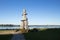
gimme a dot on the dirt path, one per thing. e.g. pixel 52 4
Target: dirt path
pixel 18 37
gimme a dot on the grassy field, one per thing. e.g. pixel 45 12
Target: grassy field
pixel 5 37
pixel 48 34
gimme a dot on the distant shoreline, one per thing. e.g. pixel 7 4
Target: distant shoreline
pixel 29 25
pixel 8 25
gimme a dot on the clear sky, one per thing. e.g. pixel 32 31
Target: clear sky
pixel 40 12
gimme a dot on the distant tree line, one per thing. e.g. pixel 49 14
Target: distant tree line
pixel 6 25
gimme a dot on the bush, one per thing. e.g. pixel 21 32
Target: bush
pixel 33 30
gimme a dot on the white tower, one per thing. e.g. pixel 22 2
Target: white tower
pixel 24 21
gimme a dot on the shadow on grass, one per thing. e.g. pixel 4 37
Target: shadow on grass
pixel 49 34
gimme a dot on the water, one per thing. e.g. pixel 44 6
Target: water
pixel 9 27
pixel 45 26
pixel 30 26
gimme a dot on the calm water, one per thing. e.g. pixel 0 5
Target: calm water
pixel 31 26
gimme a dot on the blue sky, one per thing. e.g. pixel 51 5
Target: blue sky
pixel 40 12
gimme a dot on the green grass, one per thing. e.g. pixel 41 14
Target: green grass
pixel 49 34
pixel 5 37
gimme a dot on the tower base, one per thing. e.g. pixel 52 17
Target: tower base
pixel 24 30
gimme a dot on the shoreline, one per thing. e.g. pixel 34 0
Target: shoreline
pixel 7 32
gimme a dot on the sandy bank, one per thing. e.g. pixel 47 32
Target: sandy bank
pixel 3 32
